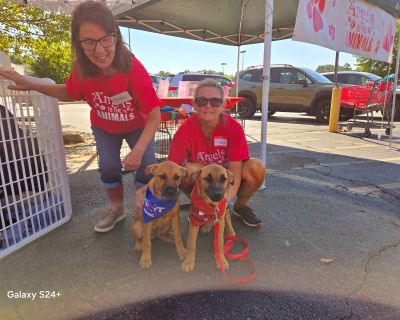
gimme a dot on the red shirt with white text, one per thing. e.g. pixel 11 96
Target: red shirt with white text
pixel 123 117
pixel 227 143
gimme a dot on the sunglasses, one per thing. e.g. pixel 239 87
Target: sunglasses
pixel 202 102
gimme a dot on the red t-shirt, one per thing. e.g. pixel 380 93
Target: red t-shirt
pixel 130 112
pixel 227 144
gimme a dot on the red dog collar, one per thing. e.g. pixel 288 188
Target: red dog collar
pixel 202 212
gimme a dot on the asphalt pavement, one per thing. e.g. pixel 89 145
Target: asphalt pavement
pixel 329 247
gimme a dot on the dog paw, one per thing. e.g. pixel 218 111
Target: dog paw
pixel 230 232
pixel 139 246
pixel 225 263
pixel 145 262
pixel 205 228
pixel 188 265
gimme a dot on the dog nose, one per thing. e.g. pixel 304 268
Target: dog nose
pixel 169 192
pixel 216 195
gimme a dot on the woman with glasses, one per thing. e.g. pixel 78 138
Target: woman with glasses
pixel 119 91
pixel 213 136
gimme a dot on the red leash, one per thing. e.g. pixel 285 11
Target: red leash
pixel 233 256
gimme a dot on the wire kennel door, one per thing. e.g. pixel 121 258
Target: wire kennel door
pixel 34 188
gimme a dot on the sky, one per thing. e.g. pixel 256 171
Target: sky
pixel 166 53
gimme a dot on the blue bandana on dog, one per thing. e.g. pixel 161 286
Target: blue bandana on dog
pixel 155 208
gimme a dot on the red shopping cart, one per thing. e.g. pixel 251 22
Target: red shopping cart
pixel 365 100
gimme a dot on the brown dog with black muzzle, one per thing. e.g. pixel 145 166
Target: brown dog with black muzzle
pixel 208 205
pixel 160 211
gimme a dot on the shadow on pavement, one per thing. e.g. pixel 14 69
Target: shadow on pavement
pixel 245 304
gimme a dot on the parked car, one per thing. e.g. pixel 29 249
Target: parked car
pixel 352 77
pixel 195 76
pixel 156 81
pixel 359 78
pixel 292 89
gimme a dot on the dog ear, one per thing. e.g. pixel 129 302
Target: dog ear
pixel 184 171
pixel 195 175
pixel 151 169
pixel 231 176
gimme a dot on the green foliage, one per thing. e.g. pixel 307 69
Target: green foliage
pixel 331 68
pixel 36 38
pixel 164 74
pixel 377 67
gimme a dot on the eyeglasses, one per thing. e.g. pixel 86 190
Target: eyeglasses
pixel 90 44
pixel 202 102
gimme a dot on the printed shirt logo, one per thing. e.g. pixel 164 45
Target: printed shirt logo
pixel 217 157
pixel 155 208
pixel 106 110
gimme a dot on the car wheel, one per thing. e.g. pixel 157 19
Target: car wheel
pixel 246 108
pixel 271 113
pixel 322 110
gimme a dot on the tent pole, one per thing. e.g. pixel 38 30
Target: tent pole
pixel 237 72
pixel 269 9
pixel 336 68
pixel 394 91
pixel 238 52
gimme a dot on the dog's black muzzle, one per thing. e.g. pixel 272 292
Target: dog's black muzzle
pixel 215 193
pixel 170 192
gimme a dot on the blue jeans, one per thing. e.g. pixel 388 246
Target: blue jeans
pixel 108 149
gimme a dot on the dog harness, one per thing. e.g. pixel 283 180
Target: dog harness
pixel 154 207
pixel 202 212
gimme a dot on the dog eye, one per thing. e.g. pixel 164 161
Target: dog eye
pixel 176 177
pixel 209 178
pixel 163 176
pixel 222 179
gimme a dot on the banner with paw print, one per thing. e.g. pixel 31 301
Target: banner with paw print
pixel 352 26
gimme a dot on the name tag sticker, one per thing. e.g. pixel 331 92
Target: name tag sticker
pixel 121 98
pixel 220 142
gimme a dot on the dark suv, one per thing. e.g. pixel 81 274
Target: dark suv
pixel 351 77
pixel 292 89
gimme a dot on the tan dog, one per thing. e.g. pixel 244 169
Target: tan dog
pixel 208 203
pixel 160 211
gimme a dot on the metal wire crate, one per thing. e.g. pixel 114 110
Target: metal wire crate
pixel 34 189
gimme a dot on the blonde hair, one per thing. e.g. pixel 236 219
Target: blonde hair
pixel 210 83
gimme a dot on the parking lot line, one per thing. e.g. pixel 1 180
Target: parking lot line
pixel 352 147
pixel 368 189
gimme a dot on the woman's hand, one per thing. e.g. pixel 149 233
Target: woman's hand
pixel 21 83
pixel 133 160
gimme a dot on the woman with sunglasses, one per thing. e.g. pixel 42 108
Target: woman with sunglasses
pixel 119 91
pixel 213 136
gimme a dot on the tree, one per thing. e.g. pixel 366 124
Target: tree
pixel 378 67
pixel 331 68
pixel 36 38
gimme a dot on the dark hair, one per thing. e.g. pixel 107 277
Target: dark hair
pixel 99 14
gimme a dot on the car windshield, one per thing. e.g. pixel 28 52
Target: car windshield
pixel 372 76
pixel 317 76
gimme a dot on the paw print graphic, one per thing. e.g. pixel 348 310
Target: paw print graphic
pixel 332 31
pixel 314 11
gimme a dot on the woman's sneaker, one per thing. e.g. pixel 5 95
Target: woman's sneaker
pixel 108 221
pixel 247 215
